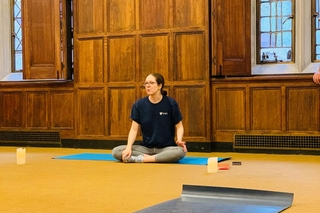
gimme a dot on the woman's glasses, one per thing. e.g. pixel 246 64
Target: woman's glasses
pixel 150 83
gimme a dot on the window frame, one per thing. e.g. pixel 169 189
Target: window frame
pixel 302 45
pixel 258 35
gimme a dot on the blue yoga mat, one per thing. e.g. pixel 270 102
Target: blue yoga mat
pixel 108 157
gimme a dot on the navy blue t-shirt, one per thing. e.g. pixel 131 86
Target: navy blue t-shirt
pixel 157 121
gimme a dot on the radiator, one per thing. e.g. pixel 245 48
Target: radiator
pixel 30 137
pixel 271 141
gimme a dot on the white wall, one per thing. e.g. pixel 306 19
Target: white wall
pixel 5 38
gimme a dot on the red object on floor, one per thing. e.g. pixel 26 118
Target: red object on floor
pixel 223 166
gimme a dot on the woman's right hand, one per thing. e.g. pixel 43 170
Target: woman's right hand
pixel 126 154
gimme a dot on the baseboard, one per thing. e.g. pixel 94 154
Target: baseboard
pixel 279 151
pixel 28 144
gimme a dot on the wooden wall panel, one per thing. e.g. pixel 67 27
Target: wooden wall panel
pixel 38 19
pixel 155 55
pixel 91 112
pixel 192 104
pixel 230 109
pixel 121 15
pixel 37 110
pixel 264 105
pixel 90 62
pixel 119 110
pixel 266 108
pixel 85 22
pixel 190 56
pixel 11 109
pixel 31 105
pixel 190 13
pixel 41 39
pixel 62 110
pixel 121 59
pixel 158 10
pixel 141 37
pixel 302 109
pixel 232 44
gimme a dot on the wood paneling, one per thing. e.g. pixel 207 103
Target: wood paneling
pixel 121 61
pixel 89 63
pixel 85 21
pixel 121 15
pixel 142 37
pixel 155 55
pixel 158 10
pixel 62 110
pixel 192 104
pixel 47 105
pixel 117 43
pixel 302 109
pixel 11 109
pixel 41 39
pixel 232 41
pixel 190 56
pixel 230 108
pixel 91 112
pixel 119 110
pixel 266 108
pixel 37 109
pixel 190 13
pixel 264 105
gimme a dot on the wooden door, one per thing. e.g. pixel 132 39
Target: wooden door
pixel 41 39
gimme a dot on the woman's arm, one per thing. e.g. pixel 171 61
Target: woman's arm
pixel 179 132
pixel 131 139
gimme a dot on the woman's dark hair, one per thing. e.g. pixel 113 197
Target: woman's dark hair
pixel 160 80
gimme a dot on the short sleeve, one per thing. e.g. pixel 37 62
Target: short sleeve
pixel 135 114
pixel 176 113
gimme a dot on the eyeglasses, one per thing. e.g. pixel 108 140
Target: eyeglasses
pixel 150 83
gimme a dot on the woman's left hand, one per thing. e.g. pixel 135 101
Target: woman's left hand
pixel 183 144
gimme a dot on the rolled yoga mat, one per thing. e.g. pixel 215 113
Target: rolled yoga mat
pixel 220 200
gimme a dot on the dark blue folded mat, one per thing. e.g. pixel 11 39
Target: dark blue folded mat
pixel 108 157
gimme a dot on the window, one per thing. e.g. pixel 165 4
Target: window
pixel 275 31
pixel 287 36
pixel 16 36
pixel 316 30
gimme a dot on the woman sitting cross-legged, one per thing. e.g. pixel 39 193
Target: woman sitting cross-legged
pixel 160 120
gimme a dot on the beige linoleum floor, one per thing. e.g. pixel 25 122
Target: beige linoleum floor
pixel 49 185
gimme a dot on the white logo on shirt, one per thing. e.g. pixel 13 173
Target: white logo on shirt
pixel 163 113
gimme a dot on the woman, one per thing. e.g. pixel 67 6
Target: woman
pixel 159 118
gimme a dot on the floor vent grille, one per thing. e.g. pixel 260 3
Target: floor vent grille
pixel 276 141
pixel 30 137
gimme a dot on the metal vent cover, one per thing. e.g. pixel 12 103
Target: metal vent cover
pixel 30 136
pixel 271 141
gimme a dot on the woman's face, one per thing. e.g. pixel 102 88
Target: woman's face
pixel 151 85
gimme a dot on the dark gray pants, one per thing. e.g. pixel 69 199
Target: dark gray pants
pixel 168 154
